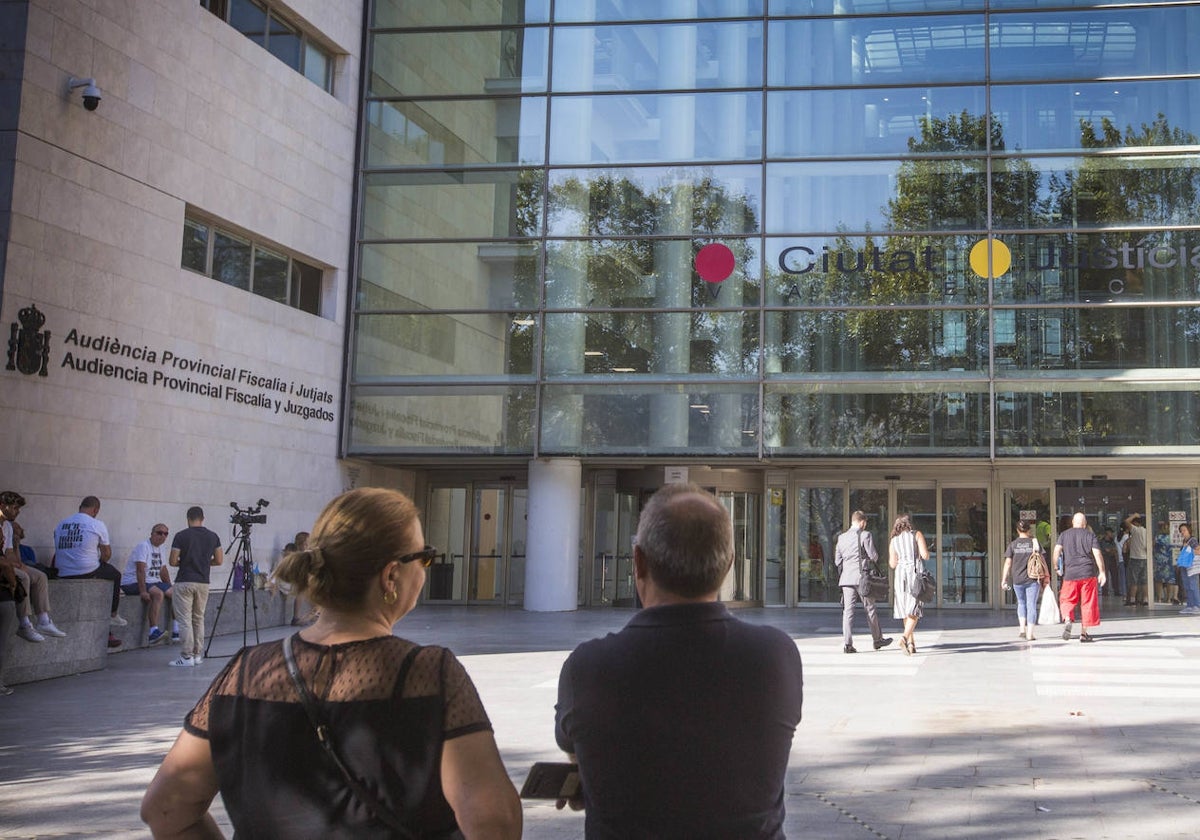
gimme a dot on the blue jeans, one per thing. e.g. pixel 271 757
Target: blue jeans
pixel 1027 600
pixel 1191 588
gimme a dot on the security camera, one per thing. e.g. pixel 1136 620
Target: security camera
pixel 91 93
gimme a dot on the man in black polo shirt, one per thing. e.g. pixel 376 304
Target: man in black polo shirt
pixel 195 550
pixel 682 722
pixel 1081 565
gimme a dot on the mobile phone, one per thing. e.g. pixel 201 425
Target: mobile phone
pixel 552 780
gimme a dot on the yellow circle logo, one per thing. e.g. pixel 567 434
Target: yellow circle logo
pixel 1001 258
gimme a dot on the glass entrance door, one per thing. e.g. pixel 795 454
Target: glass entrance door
pixel 1169 508
pixel 611 576
pixel 482 557
pixel 445 527
pixel 819 516
pixel 744 581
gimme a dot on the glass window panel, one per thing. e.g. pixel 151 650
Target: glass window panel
pixel 819 516
pixel 1034 4
pixel 1095 192
pixel 1104 338
pixel 678 56
pixel 1111 417
pixel 712 344
pixel 802 8
pixel 316 65
pixel 655 128
pixel 306 287
pixel 195 245
pixel 457 132
pixel 879 121
pixel 604 274
pixel 877 195
pixel 654 201
pixel 876 51
pixel 963 548
pixel 832 341
pixel 483 419
pixel 231 260
pixel 1086 116
pixel 1108 267
pixel 887 270
pixel 455 204
pixel 465 63
pixel 638 419
pixel 602 10
pixel 428 344
pixel 250 19
pixel 914 417
pixel 468 275
pixel 405 13
pixel 284 43
pixel 270 275
pixel 1106 43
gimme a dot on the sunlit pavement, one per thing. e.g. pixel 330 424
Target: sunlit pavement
pixel 977 735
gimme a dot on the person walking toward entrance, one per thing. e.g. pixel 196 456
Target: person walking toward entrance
pixel 1078 558
pixel 905 548
pixel 1025 588
pixel 855 557
pixel 1135 567
pixel 1191 574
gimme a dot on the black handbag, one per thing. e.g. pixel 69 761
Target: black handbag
pixel 873 584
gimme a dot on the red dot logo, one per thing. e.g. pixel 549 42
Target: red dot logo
pixel 714 263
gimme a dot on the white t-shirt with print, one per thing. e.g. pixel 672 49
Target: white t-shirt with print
pixel 150 554
pixel 77 541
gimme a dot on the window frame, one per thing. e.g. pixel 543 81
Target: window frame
pixel 295 272
pixel 222 9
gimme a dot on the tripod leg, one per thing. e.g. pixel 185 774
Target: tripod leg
pixel 221 606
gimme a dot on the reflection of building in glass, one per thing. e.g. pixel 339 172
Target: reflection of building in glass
pixel 535 191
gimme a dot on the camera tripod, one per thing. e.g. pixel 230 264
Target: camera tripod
pixel 243 558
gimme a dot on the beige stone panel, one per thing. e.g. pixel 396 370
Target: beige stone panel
pixel 39 31
pixel 61 206
pixel 27 188
pixel 72 46
pixel 24 230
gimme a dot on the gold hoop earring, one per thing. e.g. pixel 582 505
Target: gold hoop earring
pixel 390 597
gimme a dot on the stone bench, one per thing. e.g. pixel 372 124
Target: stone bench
pixel 80 609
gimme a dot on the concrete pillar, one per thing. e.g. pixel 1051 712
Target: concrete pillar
pixel 552 548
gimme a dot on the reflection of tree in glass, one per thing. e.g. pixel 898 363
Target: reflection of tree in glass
pixel 1120 190
pixel 622 216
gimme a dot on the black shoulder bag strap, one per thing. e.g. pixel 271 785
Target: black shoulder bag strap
pixel 376 808
pixel 862 555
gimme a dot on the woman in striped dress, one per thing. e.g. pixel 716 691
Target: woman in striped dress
pixel 904 549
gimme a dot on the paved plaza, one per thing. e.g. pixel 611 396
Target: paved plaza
pixel 979 735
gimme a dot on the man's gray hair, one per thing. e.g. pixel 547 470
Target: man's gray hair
pixel 686 538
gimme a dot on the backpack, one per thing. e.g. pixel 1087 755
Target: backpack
pixel 1036 567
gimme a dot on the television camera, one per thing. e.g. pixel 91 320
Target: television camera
pixel 244 517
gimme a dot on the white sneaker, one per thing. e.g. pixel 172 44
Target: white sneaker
pixel 48 629
pixel 117 621
pixel 182 662
pixel 27 633
pixel 197 660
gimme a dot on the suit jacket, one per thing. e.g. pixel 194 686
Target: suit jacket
pixel 852 564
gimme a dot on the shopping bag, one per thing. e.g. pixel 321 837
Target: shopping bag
pixel 1048 611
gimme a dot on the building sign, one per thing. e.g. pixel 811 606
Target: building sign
pixel 675 475
pixel 107 356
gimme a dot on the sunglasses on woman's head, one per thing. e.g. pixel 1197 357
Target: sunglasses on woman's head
pixel 424 556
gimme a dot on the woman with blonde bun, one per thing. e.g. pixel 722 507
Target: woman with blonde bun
pixel 408 749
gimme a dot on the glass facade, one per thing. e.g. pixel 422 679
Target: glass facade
pixel 780 229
